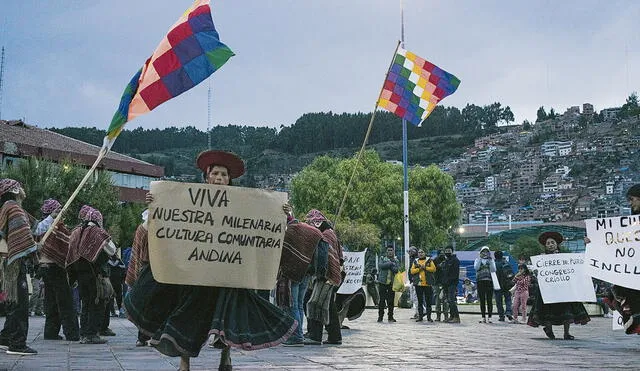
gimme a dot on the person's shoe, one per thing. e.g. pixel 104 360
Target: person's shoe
pixel 501 319
pixel 568 337
pixel 107 332
pixel 489 320
pixel 95 339
pixel 332 342
pixel 438 318
pixel 289 343
pixel 391 319
pixel 379 319
pixel 140 343
pixel 307 341
pixel 73 338
pixel 56 337
pixel 22 351
pixel 429 319
pixel 455 319
pixel 4 344
pixel 419 319
pixel 510 317
pixel 549 332
pixel 484 320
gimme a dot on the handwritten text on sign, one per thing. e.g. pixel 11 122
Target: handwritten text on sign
pixel 562 278
pixel 354 270
pixel 613 255
pixel 211 235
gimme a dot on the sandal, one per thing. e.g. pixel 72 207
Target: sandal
pixel 549 332
pixel 568 337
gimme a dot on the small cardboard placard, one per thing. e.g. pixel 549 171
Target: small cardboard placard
pixel 562 278
pixel 212 235
pixel 354 270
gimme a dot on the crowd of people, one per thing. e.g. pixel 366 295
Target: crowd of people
pixel 178 320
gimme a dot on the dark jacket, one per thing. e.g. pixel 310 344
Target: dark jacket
pixel 451 271
pixel 387 266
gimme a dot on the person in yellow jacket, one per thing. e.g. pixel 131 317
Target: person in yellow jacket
pixel 423 269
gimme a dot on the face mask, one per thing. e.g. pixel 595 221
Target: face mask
pixel 448 254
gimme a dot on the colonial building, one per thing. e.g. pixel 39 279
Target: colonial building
pixel 131 176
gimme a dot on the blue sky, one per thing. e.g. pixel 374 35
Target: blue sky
pixel 68 61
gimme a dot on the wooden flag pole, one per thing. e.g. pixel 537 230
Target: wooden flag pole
pixel 364 143
pixel 101 154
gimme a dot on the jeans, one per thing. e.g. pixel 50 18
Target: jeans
pixel 58 301
pixel 424 294
pixel 298 290
pixel 500 296
pixel 16 325
pixel 387 296
pixel 451 291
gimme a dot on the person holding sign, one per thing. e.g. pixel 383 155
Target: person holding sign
pixel 181 317
pixel 624 299
pixel 484 266
pixel 564 314
pixel 16 236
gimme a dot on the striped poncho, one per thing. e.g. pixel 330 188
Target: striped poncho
pixel 139 255
pixel 56 247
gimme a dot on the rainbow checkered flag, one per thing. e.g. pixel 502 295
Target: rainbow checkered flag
pixel 189 53
pixel 414 86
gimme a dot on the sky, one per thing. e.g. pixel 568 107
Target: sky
pixel 68 61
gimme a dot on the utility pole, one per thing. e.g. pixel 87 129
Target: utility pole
pixel 1 79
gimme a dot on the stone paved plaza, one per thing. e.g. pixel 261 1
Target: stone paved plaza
pixel 405 345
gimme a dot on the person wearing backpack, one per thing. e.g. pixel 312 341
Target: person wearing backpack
pixel 505 278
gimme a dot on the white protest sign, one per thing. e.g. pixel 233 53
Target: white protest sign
pixel 613 255
pixel 562 278
pixel 212 235
pixel 354 269
pixel 617 323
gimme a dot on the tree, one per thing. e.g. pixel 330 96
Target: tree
pixel 631 107
pixel 541 114
pixel 526 246
pixel 42 180
pixel 526 125
pixel 376 198
pixel 359 236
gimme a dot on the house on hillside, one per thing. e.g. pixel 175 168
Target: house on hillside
pixel 131 176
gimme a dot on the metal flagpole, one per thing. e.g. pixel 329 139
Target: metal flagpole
pixel 405 163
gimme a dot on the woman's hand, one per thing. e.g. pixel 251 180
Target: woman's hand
pixel 586 240
pixel 287 209
pixel 148 198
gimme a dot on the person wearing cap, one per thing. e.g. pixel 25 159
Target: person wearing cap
pixel 90 247
pixel 625 299
pixel 484 266
pixel 58 297
pixel 139 260
pixel 15 230
pixel 439 293
pixel 180 318
pixel 450 277
pixel 547 315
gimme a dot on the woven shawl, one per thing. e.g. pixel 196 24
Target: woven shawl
pixel 335 257
pixel 139 255
pixel 300 242
pixel 56 247
pixel 86 242
pixel 15 229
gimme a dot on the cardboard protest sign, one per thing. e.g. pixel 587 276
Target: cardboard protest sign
pixel 562 278
pixel 613 255
pixel 354 269
pixel 212 235
pixel 617 323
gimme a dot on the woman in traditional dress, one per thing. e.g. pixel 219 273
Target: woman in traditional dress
pixel 180 318
pixel 90 247
pixel 20 248
pixel 139 260
pixel 564 314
